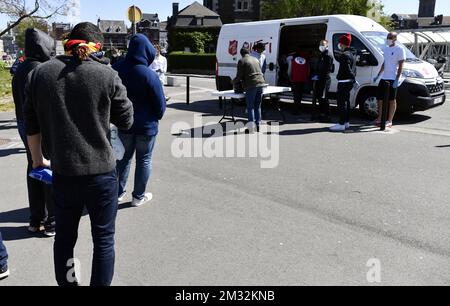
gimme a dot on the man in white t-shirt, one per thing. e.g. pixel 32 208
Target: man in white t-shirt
pixel 159 66
pixel 392 68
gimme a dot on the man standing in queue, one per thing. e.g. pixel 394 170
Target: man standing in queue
pixel 324 68
pixel 346 81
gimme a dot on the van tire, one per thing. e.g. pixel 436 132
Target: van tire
pixel 368 103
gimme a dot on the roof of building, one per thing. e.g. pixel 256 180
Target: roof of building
pixel 406 16
pixel 150 17
pixel 112 26
pixel 196 9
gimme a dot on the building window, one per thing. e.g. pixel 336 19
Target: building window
pixel 242 5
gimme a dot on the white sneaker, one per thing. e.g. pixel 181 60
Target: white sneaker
pixel 147 198
pixel 4 272
pixel 388 124
pixel 122 197
pixel 338 128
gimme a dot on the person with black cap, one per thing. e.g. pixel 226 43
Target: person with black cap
pixel 346 81
pixel 70 102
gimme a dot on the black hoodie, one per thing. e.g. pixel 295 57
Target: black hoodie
pixel 347 65
pixel 38 49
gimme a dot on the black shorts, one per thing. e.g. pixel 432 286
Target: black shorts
pixel 382 87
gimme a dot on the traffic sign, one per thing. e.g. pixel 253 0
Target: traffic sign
pixel 134 14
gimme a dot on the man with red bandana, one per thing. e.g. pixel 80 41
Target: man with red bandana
pixel 70 102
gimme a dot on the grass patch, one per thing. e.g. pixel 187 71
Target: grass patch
pixel 7 107
pixel 5 83
pixel 6 104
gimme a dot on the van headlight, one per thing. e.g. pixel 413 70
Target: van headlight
pixel 407 73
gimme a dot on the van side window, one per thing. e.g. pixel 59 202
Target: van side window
pixel 360 48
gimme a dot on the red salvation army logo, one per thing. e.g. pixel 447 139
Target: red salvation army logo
pixel 300 60
pixel 232 49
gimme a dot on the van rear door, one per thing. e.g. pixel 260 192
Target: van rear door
pixel 236 36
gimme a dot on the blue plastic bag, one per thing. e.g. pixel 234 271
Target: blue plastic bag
pixel 44 175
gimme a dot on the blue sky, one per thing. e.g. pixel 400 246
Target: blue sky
pixel 116 9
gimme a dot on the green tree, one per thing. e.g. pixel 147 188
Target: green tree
pixel 276 9
pixel 29 23
pixel 196 41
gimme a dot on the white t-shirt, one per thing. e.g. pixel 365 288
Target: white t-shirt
pixel 159 65
pixel 392 57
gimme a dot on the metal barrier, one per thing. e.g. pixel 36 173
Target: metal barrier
pixel 188 82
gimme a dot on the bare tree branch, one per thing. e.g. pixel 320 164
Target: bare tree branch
pixel 17 9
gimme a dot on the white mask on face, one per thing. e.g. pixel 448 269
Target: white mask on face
pixel 341 47
pixel 390 42
pixel 323 48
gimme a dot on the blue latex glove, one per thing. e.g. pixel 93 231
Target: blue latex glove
pixel 44 175
pixel 396 83
pixel 315 78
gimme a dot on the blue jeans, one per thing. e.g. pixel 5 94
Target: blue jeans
pixel 143 146
pixel 3 253
pixel 254 99
pixel 98 193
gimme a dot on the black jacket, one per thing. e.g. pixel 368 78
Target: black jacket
pixel 38 48
pixel 72 104
pixel 325 66
pixel 347 65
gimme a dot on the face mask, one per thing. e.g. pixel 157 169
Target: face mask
pixel 323 48
pixel 341 47
pixel 389 42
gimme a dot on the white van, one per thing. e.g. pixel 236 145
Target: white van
pixel 422 89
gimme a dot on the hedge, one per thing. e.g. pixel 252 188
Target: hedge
pixel 186 62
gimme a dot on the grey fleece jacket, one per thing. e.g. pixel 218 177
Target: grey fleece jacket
pixel 72 104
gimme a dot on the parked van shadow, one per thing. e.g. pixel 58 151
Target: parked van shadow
pixel 210 108
pixel 403 119
pixel 213 130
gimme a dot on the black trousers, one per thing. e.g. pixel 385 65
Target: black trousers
pixel 321 89
pixel 343 101
pixel 297 90
pixel 39 194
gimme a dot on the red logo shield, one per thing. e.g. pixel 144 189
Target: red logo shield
pixel 233 48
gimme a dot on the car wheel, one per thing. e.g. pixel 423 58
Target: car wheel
pixel 368 105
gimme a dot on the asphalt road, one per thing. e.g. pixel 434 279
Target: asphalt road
pixel 334 202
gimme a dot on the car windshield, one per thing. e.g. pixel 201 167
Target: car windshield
pixel 378 39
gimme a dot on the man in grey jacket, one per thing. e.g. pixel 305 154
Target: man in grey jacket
pixel 70 103
pixel 251 79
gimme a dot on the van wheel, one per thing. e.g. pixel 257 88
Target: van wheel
pixel 368 104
